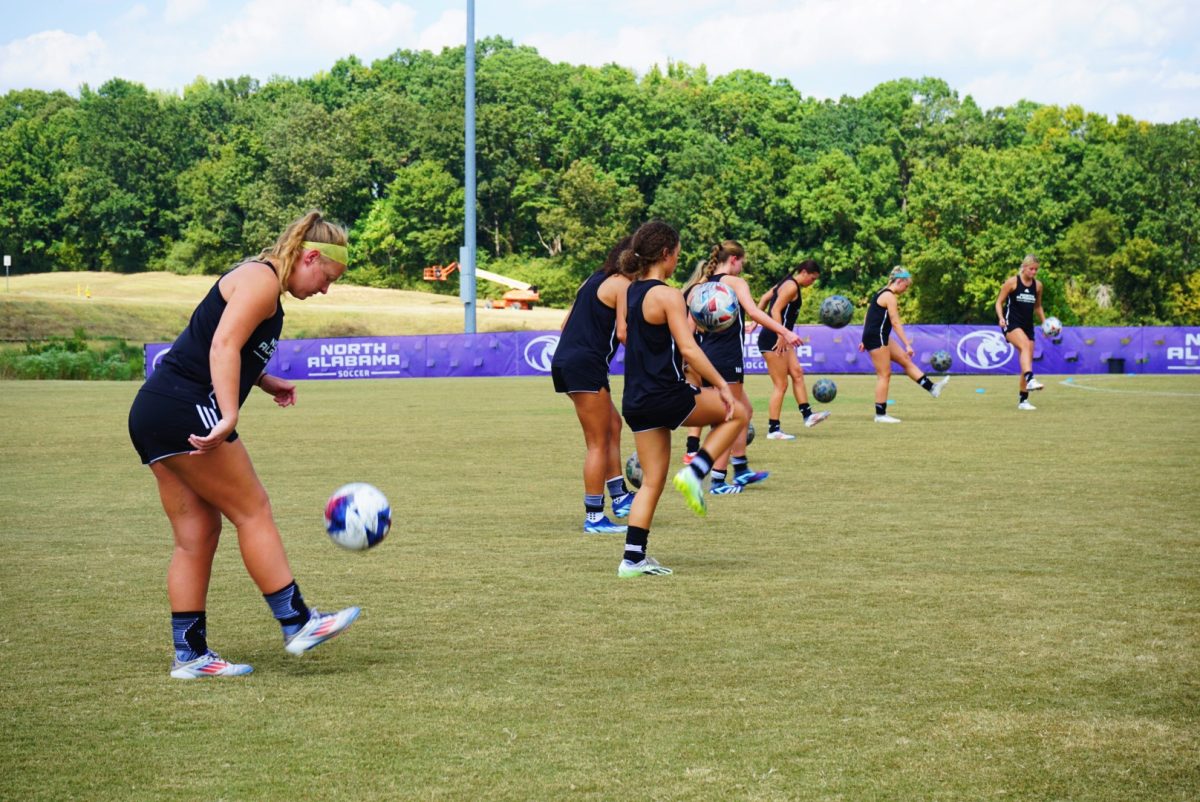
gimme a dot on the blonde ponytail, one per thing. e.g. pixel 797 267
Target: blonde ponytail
pixel 312 227
pixel 719 255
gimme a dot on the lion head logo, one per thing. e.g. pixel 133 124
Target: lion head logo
pixel 985 350
pixel 539 352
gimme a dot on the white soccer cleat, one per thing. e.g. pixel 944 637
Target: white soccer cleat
pixel 815 418
pixel 936 389
pixel 647 566
pixel 208 665
pixel 780 435
pixel 1025 405
pixel 886 419
pixel 320 628
pixel 1034 385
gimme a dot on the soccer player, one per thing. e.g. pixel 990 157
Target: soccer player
pixel 657 398
pixel 585 350
pixel 1020 297
pixel 883 316
pixel 182 424
pixel 724 349
pixel 782 303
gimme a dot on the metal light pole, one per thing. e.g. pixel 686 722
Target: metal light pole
pixel 466 256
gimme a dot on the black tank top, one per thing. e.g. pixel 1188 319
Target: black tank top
pixel 792 310
pixel 653 365
pixel 184 371
pixel 879 322
pixel 591 330
pixel 1018 306
pixel 724 348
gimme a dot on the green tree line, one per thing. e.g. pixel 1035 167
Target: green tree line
pixel 570 158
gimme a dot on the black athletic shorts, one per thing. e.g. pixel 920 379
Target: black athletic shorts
pixel 872 340
pixel 668 411
pixel 160 425
pixel 767 340
pixel 1028 331
pixel 731 375
pixel 579 379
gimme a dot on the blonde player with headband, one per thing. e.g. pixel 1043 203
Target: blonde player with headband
pixel 1021 298
pixel 883 316
pixel 182 424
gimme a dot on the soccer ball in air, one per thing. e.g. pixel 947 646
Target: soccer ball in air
pixel 357 516
pixel 749 433
pixel 940 361
pixel 633 470
pixel 836 311
pixel 713 306
pixel 825 390
pixel 1052 327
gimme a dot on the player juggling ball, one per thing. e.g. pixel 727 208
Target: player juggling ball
pixel 883 316
pixel 657 398
pixel 183 425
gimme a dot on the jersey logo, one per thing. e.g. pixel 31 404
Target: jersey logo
pixel 985 350
pixel 264 350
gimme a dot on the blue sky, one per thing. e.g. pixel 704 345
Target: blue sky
pixel 1138 57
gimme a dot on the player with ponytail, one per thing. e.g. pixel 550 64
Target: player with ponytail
pixel 657 397
pixel 782 303
pixel 724 349
pixel 183 426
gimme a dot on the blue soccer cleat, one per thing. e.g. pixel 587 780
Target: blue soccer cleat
pixel 603 527
pixel 750 477
pixel 621 505
pixel 724 489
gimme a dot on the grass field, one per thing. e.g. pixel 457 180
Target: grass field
pixel 156 306
pixel 975 604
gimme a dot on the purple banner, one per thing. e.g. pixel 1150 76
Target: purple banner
pixel 973 349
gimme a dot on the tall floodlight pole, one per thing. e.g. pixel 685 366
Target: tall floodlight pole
pixel 466 258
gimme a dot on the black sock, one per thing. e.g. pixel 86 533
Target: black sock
pixel 772 425
pixel 1028 376
pixel 740 465
pixel 718 477
pixel 805 410
pixel 1024 396
pixel 693 444
pixel 925 382
pixel 881 409
pixel 288 607
pixel 189 631
pixel 635 543
pixel 702 463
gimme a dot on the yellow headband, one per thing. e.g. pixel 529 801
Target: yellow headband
pixel 335 253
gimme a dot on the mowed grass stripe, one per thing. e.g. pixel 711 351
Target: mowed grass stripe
pixel 975 603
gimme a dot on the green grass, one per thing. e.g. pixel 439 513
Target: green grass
pixel 975 604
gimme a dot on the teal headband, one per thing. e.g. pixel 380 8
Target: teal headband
pixel 899 273
pixel 332 252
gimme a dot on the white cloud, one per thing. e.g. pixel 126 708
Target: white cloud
pixel 282 35
pixel 1092 52
pixel 54 60
pixel 179 11
pixel 637 48
pixel 450 30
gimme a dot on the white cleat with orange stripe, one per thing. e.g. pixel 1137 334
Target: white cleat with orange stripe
pixel 320 628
